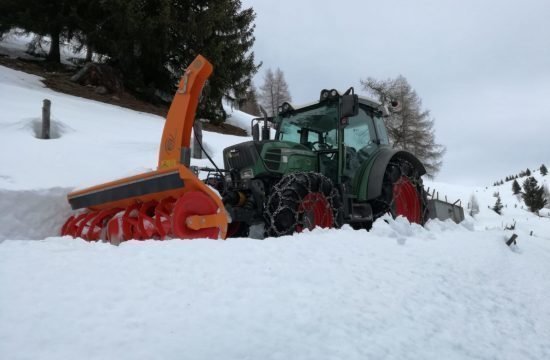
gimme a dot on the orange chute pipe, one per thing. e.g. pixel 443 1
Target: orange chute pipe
pixel 176 137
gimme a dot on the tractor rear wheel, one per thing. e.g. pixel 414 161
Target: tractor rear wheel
pixel 302 201
pixel 403 193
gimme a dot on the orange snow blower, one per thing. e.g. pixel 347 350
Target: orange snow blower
pixel 168 202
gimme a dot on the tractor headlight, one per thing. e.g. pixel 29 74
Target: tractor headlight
pixel 285 108
pixel 247 174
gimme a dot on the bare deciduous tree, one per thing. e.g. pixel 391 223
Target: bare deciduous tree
pixel 274 91
pixel 409 126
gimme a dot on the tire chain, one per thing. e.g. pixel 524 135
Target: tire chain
pixel 283 197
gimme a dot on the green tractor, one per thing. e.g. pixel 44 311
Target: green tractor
pixel 330 163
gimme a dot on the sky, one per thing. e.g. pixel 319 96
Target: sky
pixel 481 67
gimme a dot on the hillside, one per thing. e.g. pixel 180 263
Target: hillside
pixel 13 54
pixel 399 291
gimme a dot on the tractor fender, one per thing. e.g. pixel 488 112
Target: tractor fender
pixel 375 176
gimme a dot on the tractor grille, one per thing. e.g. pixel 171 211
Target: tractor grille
pixel 273 159
pixel 240 156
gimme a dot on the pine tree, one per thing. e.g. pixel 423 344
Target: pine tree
pixel 546 196
pixel 533 195
pixel 543 170
pixel 409 126
pixel 516 188
pixel 224 34
pixel 145 39
pixel 53 18
pixel 498 206
pixel 274 91
pixel 249 104
pixel 146 42
pixel 527 172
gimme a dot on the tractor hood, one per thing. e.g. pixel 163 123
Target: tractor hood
pixel 256 158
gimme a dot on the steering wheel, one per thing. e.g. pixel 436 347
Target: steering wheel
pixel 320 146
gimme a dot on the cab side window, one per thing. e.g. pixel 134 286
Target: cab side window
pixel 359 132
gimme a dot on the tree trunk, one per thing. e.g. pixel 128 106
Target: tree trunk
pixel 54 54
pixel 89 52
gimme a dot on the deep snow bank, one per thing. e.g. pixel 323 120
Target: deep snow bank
pixel 398 292
pixel 32 214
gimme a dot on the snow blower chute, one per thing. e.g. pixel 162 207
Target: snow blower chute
pixel 168 202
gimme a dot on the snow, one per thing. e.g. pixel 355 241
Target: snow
pixel 15 45
pixel 400 291
pixel 238 118
pixel 124 143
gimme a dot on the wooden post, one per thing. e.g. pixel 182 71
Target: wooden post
pixel 46 119
pixel 197 130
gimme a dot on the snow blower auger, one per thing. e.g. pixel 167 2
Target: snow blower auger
pixel 169 202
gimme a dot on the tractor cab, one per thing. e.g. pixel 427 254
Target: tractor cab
pixel 343 131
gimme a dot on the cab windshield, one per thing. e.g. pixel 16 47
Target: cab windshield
pixel 315 128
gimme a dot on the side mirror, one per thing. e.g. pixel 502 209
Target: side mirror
pixel 349 105
pixel 256 132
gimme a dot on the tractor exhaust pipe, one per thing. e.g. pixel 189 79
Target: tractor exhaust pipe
pixel 265 128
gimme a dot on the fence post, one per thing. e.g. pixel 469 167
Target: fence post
pixel 197 130
pixel 46 119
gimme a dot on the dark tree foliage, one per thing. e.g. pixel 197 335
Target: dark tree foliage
pixel 410 127
pixel 543 170
pixel 53 18
pixel 151 41
pixel 516 188
pixel 9 15
pixel 250 102
pixel 527 172
pixel 224 34
pixel 533 195
pixel 498 206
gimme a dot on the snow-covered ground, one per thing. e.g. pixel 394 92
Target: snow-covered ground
pixel 401 291
pixel 15 45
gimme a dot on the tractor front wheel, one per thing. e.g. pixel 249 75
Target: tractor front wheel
pixel 302 201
